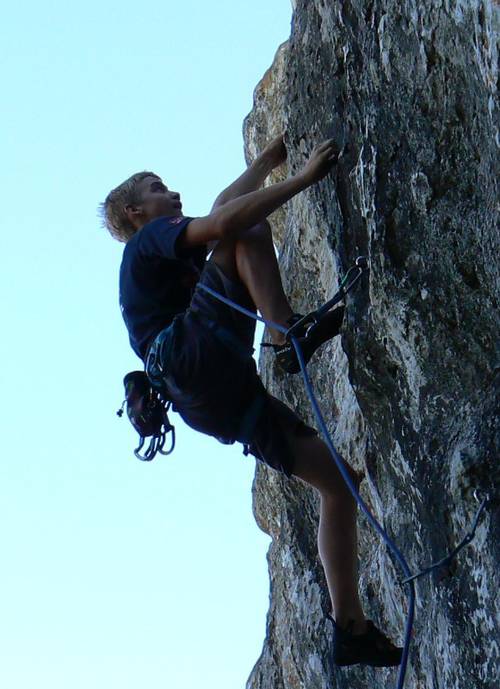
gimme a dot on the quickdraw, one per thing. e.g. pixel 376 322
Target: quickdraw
pixel 346 284
pixel 147 412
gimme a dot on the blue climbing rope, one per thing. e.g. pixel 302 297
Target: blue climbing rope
pixel 389 542
pixel 345 285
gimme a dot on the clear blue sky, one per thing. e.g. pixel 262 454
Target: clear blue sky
pixel 116 573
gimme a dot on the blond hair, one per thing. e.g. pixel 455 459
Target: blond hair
pixel 112 211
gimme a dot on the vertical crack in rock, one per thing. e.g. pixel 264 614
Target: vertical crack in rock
pixel 410 391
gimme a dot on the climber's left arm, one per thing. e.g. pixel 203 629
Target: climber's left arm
pixel 273 155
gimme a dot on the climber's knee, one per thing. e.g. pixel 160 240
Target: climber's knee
pixel 314 464
pixel 252 244
pixel 261 230
pixel 254 236
pixel 229 252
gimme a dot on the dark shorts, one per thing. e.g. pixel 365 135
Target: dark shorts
pixel 203 362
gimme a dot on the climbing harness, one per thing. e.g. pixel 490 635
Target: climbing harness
pixel 147 412
pixel 347 283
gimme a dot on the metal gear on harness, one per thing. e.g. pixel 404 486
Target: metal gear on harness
pixel 147 412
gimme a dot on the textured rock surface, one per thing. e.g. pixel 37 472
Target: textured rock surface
pixel 410 393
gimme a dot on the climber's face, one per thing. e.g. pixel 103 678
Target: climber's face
pixel 156 200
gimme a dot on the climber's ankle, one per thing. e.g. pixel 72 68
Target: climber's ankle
pixel 359 625
pixel 277 338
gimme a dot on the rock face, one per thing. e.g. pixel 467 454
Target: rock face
pixel 410 390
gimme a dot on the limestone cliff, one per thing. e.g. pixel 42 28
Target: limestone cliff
pixel 410 390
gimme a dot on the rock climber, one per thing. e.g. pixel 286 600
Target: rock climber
pixel 198 350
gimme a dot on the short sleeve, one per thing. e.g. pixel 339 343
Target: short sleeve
pixel 159 237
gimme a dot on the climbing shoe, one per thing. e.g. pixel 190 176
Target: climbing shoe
pixel 309 338
pixel 371 648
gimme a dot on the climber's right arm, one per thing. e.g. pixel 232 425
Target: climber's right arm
pixel 240 213
pixel 249 209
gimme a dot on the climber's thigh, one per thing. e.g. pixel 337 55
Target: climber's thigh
pixel 224 253
pixel 313 463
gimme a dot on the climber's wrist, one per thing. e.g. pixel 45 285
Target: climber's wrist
pixel 304 178
pixel 274 154
pixel 264 164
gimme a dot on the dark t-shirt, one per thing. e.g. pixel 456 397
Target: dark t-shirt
pixel 156 279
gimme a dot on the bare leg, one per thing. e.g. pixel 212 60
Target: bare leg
pixel 337 531
pixel 250 257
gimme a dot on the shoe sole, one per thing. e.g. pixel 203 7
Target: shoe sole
pixel 368 663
